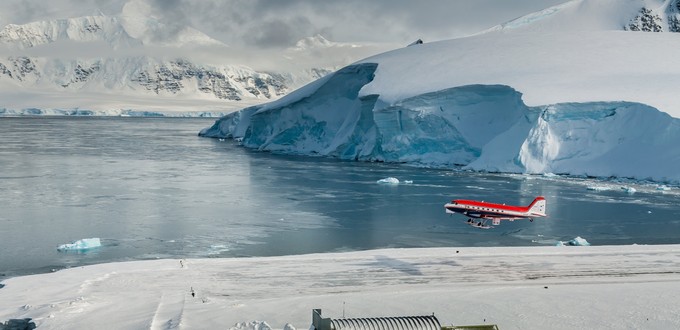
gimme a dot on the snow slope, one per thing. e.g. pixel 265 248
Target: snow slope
pixel 585 287
pixel 524 97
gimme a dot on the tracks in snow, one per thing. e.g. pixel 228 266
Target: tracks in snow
pixel 169 312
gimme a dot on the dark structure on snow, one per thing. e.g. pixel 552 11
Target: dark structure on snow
pixel 428 322
pixel 18 324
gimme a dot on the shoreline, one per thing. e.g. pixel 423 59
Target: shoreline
pixel 514 287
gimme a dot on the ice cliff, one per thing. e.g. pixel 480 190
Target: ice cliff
pixel 525 97
pixel 478 127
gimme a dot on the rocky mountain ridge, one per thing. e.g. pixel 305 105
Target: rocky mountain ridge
pixel 129 74
pixel 662 19
pixel 145 75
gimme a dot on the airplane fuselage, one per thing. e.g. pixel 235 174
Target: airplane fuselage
pixel 497 212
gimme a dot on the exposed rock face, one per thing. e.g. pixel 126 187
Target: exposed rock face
pixel 223 83
pixel 19 68
pixel 666 18
pixel 674 17
pixel 144 75
pixel 646 21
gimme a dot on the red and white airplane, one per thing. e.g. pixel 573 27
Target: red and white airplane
pixel 495 212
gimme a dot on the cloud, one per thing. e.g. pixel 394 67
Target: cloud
pixel 279 32
pixel 268 24
pixel 172 14
pixel 26 11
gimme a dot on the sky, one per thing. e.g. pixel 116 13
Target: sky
pixel 272 24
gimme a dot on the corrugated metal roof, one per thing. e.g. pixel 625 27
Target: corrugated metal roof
pixel 387 323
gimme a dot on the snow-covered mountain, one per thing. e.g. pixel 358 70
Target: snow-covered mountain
pixel 145 75
pixel 573 89
pixel 81 29
pixel 576 15
pixel 59 65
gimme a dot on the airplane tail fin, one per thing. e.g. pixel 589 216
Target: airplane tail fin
pixel 537 207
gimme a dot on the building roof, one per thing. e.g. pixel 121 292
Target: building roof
pixel 428 322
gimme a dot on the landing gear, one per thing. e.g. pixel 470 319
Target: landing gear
pixel 481 224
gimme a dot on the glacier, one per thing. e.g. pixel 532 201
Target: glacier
pixel 475 127
pixel 571 90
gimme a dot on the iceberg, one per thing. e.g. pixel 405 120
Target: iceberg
pixel 598 188
pixel 578 241
pixel 663 188
pixel 389 180
pixel 81 244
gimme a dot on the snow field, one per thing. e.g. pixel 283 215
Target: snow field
pixel 602 287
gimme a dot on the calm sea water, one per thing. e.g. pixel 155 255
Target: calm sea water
pixel 151 188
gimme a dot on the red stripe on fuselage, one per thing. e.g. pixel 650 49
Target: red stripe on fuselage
pixel 511 208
